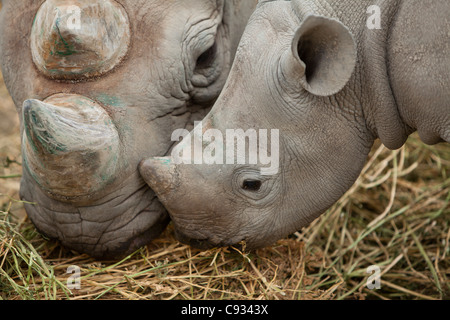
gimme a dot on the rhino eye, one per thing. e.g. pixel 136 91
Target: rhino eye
pixel 252 185
pixel 206 59
pixel 208 66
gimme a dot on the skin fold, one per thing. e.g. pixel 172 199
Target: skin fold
pixel 331 85
pixel 99 89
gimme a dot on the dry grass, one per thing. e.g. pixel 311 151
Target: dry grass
pixel 396 216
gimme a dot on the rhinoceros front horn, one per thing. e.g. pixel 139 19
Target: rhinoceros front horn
pixel 79 39
pixel 70 145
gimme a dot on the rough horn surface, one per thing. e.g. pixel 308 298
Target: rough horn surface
pixel 79 39
pixel 70 145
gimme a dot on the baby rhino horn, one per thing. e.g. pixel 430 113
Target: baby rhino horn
pixel 79 39
pixel 160 174
pixel 70 145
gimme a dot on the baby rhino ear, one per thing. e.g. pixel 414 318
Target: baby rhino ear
pixel 326 52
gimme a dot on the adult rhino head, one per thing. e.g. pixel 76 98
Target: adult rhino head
pixel 100 85
pixel 330 85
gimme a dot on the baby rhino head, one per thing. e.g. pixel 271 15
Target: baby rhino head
pixel 272 155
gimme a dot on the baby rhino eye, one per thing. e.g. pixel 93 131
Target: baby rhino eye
pixel 251 185
pixel 73 40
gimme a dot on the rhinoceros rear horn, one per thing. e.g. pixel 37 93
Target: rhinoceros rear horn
pixel 70 145
pixel 324 53
pixel 79 39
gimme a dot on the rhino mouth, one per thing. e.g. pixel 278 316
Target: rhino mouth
pixel 206 243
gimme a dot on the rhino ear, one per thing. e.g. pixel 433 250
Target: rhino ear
pixel 325 53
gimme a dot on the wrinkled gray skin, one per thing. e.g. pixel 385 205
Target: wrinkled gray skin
pixel 359 85
pixel 91 197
